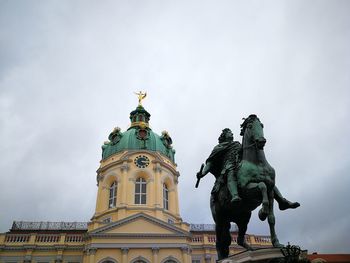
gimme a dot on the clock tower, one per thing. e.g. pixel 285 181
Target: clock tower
pixel 137 196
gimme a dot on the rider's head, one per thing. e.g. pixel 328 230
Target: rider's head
pixel 226 136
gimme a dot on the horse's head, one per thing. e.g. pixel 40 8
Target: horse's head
pixel 252 132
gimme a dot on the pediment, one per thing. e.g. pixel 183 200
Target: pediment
pixel 139 225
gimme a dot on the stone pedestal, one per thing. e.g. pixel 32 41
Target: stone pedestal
pixel 263 255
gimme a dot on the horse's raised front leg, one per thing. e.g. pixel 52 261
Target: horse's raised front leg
pixel 264 211
pixel 271 220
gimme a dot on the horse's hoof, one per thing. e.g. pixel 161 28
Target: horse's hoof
pixel 262 214
pixel 276 243
pixel 245 245
pixel 285 204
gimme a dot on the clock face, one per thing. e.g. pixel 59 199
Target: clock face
pixel 141 161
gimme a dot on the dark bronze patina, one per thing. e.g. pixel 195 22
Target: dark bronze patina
pixel 244 181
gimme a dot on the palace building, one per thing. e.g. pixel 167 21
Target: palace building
pixel 137 217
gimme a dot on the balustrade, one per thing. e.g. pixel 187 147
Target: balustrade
pixel 262 239
pixel 17 238
pixel 197 239
pixel 48 238
pixel 74 238
pixel 211 239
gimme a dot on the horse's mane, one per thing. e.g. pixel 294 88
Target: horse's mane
pixel 250 119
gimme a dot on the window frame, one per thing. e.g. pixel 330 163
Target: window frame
pixel 140 191
pixel 113 191
pixel 165 197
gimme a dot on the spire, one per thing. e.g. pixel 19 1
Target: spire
pixel 140 117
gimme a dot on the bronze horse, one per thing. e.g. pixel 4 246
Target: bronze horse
pixel 256 186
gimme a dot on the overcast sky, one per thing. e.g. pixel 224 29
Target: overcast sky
pixel 68 70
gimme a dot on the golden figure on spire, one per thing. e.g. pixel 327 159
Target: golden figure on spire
pixel 141 96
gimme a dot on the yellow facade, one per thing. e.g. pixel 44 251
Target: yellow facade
pixel 136 220
pixel 120 168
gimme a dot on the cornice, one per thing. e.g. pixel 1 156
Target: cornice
pixel 137 236
pixel 107 166
pixel 135 245
pixel 126 158
pixel 137 207
pixel 42 248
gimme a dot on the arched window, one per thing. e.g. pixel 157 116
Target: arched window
pixel 108 260
pixel 140 191
pixel 113 195
pixel 165 197
pixel 170 260
pixel 139 260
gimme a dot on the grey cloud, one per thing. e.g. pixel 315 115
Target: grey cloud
pixel 68 72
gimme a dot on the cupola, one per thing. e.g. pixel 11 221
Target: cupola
pixel 139 136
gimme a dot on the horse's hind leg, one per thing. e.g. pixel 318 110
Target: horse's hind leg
pixel 271 220
pixel 242 229
pixel 223 238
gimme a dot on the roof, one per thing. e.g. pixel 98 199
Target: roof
pixel 27 225
pixel 35 225
pixel 209 228
pixel 138 137
pixel 334 258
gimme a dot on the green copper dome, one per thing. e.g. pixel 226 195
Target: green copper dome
pixel 138 137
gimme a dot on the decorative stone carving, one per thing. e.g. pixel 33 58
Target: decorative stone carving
pixel 99 178
pixel 157 168
pixel 124 167
pixel 125 250
pixel 185 249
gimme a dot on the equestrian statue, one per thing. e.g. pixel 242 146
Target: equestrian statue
pixel 244 181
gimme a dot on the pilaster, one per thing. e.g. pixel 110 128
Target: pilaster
pixel 92 252
pixel 125 252
pixel 155 251
pixel 158 187
pixel 185 254
pixel 176 201
pixel 207 258
pixel 28 256
pixel 124 187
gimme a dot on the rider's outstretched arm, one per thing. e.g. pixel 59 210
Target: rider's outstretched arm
pixel 206 169
pixel 202 172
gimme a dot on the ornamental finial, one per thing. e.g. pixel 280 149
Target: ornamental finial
pixel 141 96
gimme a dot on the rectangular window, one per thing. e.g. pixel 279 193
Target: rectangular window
pixel 140 191
pixel 165 197
pixel 112 202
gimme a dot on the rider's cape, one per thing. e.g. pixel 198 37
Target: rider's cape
pixel 217 158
